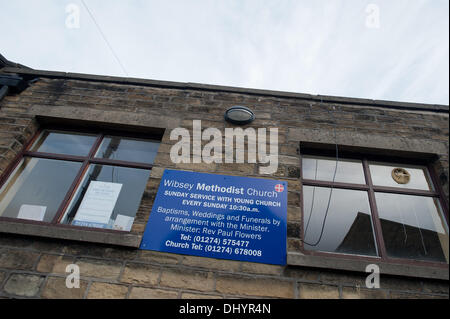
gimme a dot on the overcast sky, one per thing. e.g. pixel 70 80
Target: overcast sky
pixel 390 50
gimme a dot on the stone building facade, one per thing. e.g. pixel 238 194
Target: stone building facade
pixel 33 258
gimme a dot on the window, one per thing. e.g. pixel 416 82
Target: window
pixel 372 209
pixel 71 179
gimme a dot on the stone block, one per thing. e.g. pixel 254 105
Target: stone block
pixel 23 285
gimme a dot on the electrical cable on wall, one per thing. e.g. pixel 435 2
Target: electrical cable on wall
pixel 331 189
pixel 420 231
pixel 313 198
pixel 104 38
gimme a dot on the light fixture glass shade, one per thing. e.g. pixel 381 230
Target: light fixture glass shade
pixel 239 115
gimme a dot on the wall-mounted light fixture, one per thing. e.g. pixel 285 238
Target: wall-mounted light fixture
pixel 239 115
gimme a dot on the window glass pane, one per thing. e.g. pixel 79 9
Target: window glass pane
pixel 413 227
pixel 110 204
pixel 348 226
pixel 322 168
pixel 128 149
pixel 397 175
pixel 64 143
pixel 36 189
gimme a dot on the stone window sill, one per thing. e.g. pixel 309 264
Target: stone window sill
pixel 71 233
pixel 342 263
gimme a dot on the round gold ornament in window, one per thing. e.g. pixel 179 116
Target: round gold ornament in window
pixel 401 175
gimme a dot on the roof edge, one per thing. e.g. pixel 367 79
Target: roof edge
pixel 18 69
pixel 4 63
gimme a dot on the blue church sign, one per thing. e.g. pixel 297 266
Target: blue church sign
pixel 219 216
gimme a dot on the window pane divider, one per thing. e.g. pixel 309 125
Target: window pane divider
pixel 70 193
pixel 104 161
pixel 374 211
pixel 394 190
pixel 442 197
pixel 55 156
pixel 312 182
pixel 381 189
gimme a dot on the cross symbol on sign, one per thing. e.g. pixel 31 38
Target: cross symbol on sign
pixel 279 188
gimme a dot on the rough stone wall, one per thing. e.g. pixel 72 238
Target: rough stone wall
pixel 32 267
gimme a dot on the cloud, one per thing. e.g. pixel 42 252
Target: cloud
pixel 318 47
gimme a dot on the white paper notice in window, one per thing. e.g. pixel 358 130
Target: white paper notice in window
pixel 123 222
pixel 97 205
pixel 32 212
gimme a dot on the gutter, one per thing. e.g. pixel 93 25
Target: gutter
pixel 227 89
pixel 4 91
pixel 11 83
